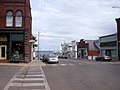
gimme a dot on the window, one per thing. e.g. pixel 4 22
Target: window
pixel 18 19
pixel 108 44
pixel 9 19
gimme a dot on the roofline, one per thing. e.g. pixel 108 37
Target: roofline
pixel 108 35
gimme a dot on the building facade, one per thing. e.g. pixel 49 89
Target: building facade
pixel 69 50
pixel 108 45
pixel 82 49
pixel 118 36
pixel 74 49
pixel 87 49
pixel 93 50
pixel 15 29
pixel 66 50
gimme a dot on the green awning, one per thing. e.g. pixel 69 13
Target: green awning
pixel 17 37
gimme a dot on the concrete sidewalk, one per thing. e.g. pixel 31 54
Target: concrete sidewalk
pixel 32 63
pixel 30 77
pixel 14 64
pixel 36 63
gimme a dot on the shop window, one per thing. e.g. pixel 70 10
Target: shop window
pixel 18 19
pixel 108 44
pixel 19 47
pixel 9 19
pixel 3 51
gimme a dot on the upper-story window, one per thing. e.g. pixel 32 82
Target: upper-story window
pixel 9 19
pixel 18 19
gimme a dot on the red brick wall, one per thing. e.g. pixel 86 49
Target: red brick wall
pixel 118 28
pixel 4 61
pixel 24 6
pixel 82 44
pixel 11 1
pixel 93 53
pixel 118 35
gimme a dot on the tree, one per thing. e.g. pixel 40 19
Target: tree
pixel 34 38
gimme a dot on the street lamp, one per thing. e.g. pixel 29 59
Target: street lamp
pixel 32 41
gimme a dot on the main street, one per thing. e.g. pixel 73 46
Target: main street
pixel 83 75
pixel 66 75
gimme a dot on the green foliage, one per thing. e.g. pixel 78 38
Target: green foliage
pixel 34 38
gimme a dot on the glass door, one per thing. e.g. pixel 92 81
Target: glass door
pixel 3 49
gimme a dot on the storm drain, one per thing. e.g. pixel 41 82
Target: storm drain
pixel 29 78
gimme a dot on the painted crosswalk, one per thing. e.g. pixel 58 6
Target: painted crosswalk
pixel 82 63
pixel 62 64
pixel 29 78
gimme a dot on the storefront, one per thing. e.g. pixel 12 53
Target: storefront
pixel 119 50
pixel 108 46
pixel 10 42
pixel 83 53
pixel 3 47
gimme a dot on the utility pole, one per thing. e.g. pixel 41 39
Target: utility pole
pixel 118 41
pixel 38 45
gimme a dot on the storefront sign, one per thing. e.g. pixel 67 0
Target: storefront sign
pixel 3 38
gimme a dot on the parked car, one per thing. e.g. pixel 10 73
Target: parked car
pixel 62 57
pixel 103 58
pixel 41 57
pixel 45 57
pixel 53 59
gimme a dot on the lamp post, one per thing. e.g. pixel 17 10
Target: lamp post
pixel 32 41
pixel 39 44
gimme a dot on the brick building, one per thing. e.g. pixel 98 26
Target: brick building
pixel 83 49
pixel 15 29
pixel 88 49
pixel 118 36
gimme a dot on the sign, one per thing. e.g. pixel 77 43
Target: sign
pixel 3 38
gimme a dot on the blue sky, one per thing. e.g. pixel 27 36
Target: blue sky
pixel 61 21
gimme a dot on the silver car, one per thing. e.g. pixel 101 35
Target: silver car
pixel 103 58
pixel 53 59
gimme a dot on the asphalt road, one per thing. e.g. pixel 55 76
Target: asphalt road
pixel 83 75
pixel 66 75
pixel 6 73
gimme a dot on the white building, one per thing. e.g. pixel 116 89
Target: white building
pixel 74 49
pixel 69 50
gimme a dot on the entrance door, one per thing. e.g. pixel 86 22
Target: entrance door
pixel 3 49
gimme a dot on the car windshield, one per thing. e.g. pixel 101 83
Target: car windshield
pixel 46 55
pixel 52 55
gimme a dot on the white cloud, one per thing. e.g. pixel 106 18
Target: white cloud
pixel 67 20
